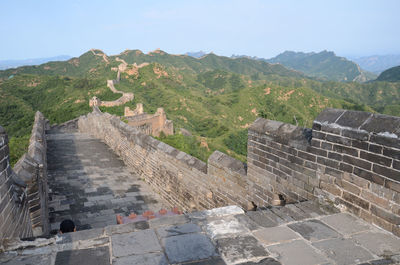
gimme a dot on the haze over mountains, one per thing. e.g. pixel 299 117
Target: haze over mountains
pixel 5 64
pixel 324 65
pixel 378 63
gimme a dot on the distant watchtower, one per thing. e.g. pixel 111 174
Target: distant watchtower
pixel 94 101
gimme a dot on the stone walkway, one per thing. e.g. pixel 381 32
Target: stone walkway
pixel 89 184
pixel 301 234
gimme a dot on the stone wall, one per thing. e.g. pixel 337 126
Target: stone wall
pixel 14 208
pixel 352 160
pixel 179 178
pixel 24 191
pixel 152 124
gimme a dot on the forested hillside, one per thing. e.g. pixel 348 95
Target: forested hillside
pixel 324 65
pixel 216 98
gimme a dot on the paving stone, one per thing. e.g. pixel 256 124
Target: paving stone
pixel 345 223
pixel 297 252
pixel 140 242
pixel 314 230
pixel 91 256
pixel 261 219
pixel 310 208
pixel 210 261
pixel 80 235
pixel 126 228
pixel 343 251
pixel 240 249
pixel 188 247
pixel 280 211
pixel 168 220
pixel 175 230
pixel 274 235
pixel 247 222
pixel 301 214
pixel 29 260
pixel 266 261
pixel 275 218
pixel 217 212
pixel 379 243
pixel 224 227
pixel 145 259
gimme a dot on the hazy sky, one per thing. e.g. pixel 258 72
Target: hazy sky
pixel 263 28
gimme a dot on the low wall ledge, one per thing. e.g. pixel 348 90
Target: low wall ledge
pixel 223 160
pixel 363 122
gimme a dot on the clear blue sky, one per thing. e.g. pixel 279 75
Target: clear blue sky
pixel 264 28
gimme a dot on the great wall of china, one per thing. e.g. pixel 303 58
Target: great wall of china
pixel 348 162
pixel 152 124
pixel 125 97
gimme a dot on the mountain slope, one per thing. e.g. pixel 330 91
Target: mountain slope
pixel 323 65
pixel 390 75
pixel 216 98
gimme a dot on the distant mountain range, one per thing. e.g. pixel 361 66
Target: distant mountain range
pixel 214 97
pixel 390 75
pixel 5 64
pixel 378 63
pixel 196 54
pixel 325 65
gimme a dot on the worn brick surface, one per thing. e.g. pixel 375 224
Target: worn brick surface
pixel 90 185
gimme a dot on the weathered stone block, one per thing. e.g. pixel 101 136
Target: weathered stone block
pixel 357 162
pixel 343 251
pixel 275 235
pixel 335 156
pixel 360 144
pixel 395 186
pixel 313 230
pixel 376 158
pixel 91 256
pixel 297 252
pixel 386 141
pixel 390 152
pixel 144 259
pixel 346 224
pixel 379 243
pixel 188 247
pixel 240 249
pixel 368 175
pixel 356 134
pixel 139 242
pixel 355 200
pixel 377 149
pixel 338 139
pixel 387 172
pixel 388 216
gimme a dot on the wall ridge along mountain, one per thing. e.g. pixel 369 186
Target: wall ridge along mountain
pixel 126 97
pixel 357 169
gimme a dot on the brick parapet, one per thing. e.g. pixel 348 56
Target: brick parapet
pixel 14 207
pixel 355 168
pixel 31 196
pixel 351 160
pixel 179 178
